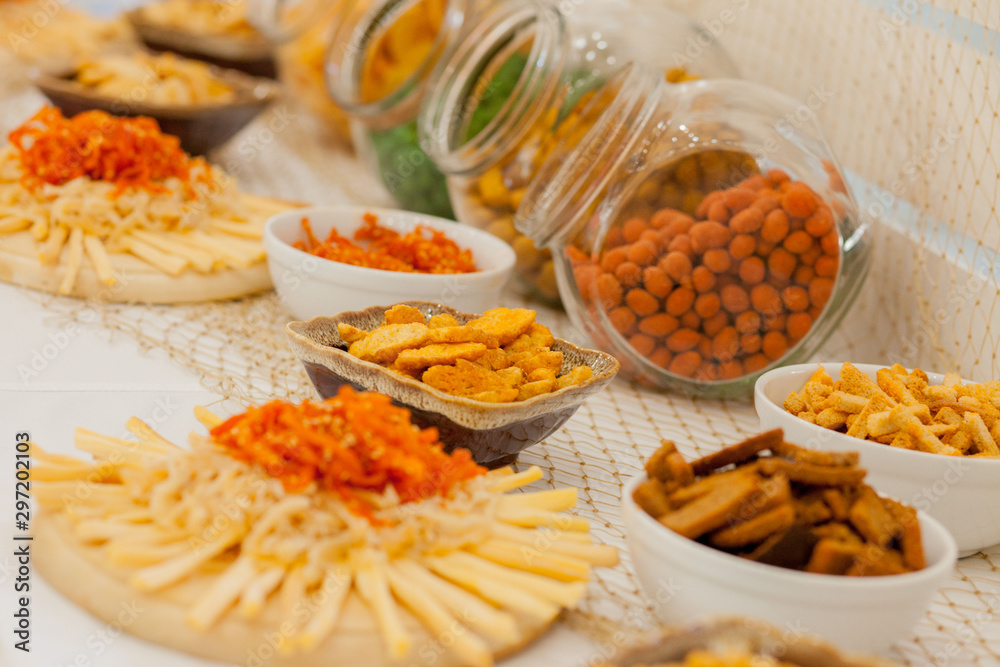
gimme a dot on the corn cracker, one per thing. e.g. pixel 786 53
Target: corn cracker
pixel 537 335
pixel 439 354
pixel 576 376
pixel 384 344
pixel 505 324
pixel 350 334
pixel 403 314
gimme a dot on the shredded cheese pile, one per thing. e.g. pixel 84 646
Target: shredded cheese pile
pixel 349 444
pixel 472 562
pixel 94 185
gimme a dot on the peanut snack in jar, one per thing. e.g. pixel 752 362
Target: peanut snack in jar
pixel 722 291
pixel 712 246
pixel 492 199
pixel 378 61
pixel 520 84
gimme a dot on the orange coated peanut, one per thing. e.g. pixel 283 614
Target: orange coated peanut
pixel 642 302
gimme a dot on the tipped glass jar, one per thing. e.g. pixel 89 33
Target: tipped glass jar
pixel 702 233
pixel 378 64
pixel 301 32
pixel 514 88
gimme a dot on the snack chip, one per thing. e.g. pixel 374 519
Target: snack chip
pixel 505 324
pixel 796 508
pixel 500 357
pixel 901 409
pixel 383 345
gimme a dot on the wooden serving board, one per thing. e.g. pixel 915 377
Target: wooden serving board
pixel 79 572
pixel 140 282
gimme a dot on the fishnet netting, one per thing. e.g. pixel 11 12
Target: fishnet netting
pixel 906 107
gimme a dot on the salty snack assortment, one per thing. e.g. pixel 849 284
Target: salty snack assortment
pixel 901 408
pixel 501 357
pixel 423 250
pixel 796 508
pixel 341 506
pixel 79 193
pixel 162 79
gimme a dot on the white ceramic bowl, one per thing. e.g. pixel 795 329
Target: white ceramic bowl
pixel 961 493
pixel 686 579
pixel 310 286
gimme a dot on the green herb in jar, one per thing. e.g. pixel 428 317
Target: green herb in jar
pixel 410 176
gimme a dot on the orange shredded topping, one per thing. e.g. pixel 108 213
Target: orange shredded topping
pixel 348 444
pixel 413 252
pixel 129 152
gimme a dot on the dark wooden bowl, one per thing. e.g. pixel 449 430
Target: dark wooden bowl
pixel 200 128
pixel 252 55
pixel 494 432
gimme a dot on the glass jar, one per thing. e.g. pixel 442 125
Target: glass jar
pixel 514 88
pixel 378 64
pixel 300 33
pixel 702 233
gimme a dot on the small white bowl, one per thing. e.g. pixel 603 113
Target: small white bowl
pixel 310 286
pixel 686 579
pixel 962 493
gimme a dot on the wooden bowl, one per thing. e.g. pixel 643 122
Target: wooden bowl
pixel 495 433
pixel 200 128
pixel 253 55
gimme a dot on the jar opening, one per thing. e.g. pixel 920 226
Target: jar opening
pixel 568 184
pixel 382 54
pixel 492 89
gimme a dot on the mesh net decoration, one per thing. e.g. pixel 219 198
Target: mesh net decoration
pixel 906 93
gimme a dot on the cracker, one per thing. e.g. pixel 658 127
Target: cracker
pixel 350 334
pixel 651 497
pixel 442 320
pixel 812 474
pixel 853 381
pixel 495 359
pixel 545 374
pixel 505 324
pixel 910 541
pixel 403 314
pixel 811 509
pixel 712 510
pixel 795 453
pixel 832 556
pixel 512 376
pixel 756 529
pixel 578 375
pixel 464 334
pixel 467 379
pixel 975 427
pixel 874 562
pixel 383 345
pixel 532 389
pixel 738 453
pixel 872 519
pixel 537 335
pixel 538 358
pixel 496 396
pixel 438 354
